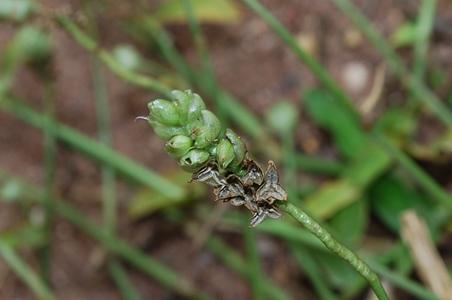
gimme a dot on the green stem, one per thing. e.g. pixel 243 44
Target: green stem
pixel 122 280
pixel 424 26
pixel 254 264
pixel 25 272
pixel 417 88
pixel 337 248
pixel 50 153
pixel 95 150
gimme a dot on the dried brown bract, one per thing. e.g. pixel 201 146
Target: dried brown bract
pixel 255 190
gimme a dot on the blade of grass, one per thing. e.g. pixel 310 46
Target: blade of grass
pixel 23 271
pixel 423 179
pixel 424 26
pixel 109 202
pixel 121 278
pixel 50 153
pixel 417 88
pixel 95 150
pixel 316 68
pixel 91 46
pixel 254 264
pixel 117 246
pixel 237 263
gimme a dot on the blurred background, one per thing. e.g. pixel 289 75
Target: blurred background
pixel 352 99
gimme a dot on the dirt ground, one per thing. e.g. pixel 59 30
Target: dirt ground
pixel 254 65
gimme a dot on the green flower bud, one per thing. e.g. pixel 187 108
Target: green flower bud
pixel 207 131
pixel 166 132
pixel 179 145
pixel 194 159
pixel 195 108
pixel 225 153
pixel 182 102
pixel 163 111
pixel 189 105
pixel 238 145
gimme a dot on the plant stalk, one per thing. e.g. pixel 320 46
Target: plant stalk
pixel 337 248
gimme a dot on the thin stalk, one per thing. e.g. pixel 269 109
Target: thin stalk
pixel 416 87
pixel 424 26
pixel 332 244
pixel 109 201
pixel 50 153
pixel 24 272
pixel 127 75
pixel 424 180
pixel 254 264
pixel 297 235
pixel 95 150
pixel 120 277
pixel 316 68
pixel 104 135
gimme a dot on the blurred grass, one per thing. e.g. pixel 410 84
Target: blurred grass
pixel 345 202
pixel 23 271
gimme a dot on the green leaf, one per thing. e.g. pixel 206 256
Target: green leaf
pixel 390 197
pixel 404 35
pixel 350 223
pixel 331 198
pixel 211 11
pixel 336 118
pixel 148 201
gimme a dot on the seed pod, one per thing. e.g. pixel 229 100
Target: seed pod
pixel 209 130
pixel 179 145
pixel 182 102
pixel 166 132
pixel 196 106
pixel 225 153
pixel 238 146
pixel 194 159
pixel 164 111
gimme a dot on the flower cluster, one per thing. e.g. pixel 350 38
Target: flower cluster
pixel 216 156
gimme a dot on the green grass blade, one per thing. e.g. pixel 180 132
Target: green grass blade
pixel 95 150
pixel 254 264
pixel 23 271
pixel 121 279
pixel 90 45
pixel 424 26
